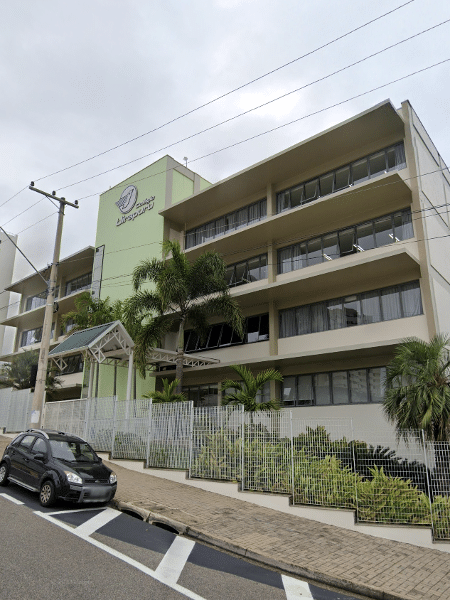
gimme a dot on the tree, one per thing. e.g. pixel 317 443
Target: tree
pixel 91 312
pixel 246 391
pixel 168 393
pixel 182 293
pixel 18 374
pixel 418 388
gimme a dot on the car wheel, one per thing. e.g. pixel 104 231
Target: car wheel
pixel 4 474
pixel 47 495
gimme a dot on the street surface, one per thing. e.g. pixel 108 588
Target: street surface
pixel 98 552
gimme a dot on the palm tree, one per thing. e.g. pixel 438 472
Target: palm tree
pixel 182 292
pixel 168 393
pixel 418 388
pixel 91 312
pixel 246 390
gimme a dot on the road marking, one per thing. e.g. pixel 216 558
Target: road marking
pixel 171 566
pixel 296 589
pixel 8 497
pixel 120 556
pixel 91 525
pixel 73 510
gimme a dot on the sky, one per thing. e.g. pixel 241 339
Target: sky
pixel 80 78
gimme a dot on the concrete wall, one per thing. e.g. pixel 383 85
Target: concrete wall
pixel 7 256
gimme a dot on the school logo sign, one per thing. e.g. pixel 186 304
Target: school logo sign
pixel 128 201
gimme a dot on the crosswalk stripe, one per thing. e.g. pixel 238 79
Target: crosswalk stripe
pixel 296 589
pixel 91 525
pixel 171 566
pixel 11 499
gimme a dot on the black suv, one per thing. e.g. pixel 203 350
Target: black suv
pixel 57 465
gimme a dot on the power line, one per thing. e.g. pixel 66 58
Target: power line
pixel 229 92
pixel 189 137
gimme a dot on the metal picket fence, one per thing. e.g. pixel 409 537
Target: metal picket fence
pixel 15 409
pixel 319 462
pixel 216 451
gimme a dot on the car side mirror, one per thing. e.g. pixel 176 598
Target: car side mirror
pixel 39 456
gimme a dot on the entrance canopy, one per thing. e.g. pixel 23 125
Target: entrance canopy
pixel 102 343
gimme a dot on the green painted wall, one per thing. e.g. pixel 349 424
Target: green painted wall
pixel 131 237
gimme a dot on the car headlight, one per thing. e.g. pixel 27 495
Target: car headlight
pixel 112 478
pixel 73 477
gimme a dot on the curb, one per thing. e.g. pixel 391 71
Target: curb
pixel 290 569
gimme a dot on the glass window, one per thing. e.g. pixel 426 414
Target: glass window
pixel 190 238
pixel 79 283
pixel 340 387
pixel 230 222
pixel 360 170
pixel 253 273
pixel 352 308
pixel 299 258
pixel 326 184
pixel 241 273
pixel 253 213
pixel 377 163
pixel 390 158
pixel 242 217
pixel 26 442
pixel 285 260
pixel 411 300
pixel 377 378
pixel 289 394
pixel 318 317
pixel 263 267
pixel 336 315
pixel 252 329
pixel 191 341
pixel 404 231
pixel 358 386
pixel 383 231
pixel 390 303
pixel 36 301
pixel 263 395
pixel 226 335
pixel 264 327
pixel 322 388
pixel 210 231
pixel 370 307
pixel 305 390
pixel 342 178
pixel 283 202
pixel 39 446
pixel 315 252
pixel 214 336
pixel 287 323
pixel 364 236
pixel 230 275
pixel 220 226
pixel 400 158
pixel 302 322
pixel 311 190
pixel 347 241
pixel 330 246
pixel 296 196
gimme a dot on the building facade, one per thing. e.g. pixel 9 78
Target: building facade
pixel 75 275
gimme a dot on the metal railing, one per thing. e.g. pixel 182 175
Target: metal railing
pixel 316 462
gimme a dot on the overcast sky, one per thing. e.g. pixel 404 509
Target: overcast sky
pixel 79 78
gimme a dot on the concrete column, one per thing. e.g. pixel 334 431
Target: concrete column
pixel 130 375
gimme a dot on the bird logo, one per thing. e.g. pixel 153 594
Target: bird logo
pixel 127 199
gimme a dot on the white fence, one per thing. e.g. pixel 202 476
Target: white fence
pixel 316 462
pixel 15 409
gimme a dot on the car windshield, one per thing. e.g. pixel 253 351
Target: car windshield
pixel 72 451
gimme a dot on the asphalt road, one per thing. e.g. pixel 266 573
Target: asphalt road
pixel 69 552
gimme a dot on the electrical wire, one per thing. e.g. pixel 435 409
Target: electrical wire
pixel 229 92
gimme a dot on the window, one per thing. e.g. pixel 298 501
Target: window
pixel 380 162
pixel 202 395
pixel 364 236
pixel 253 269
pixel 395 302
pixel 79 283
pixel 355 386
pixel 245 216
pixel 36 301
pixel 220 335
pixel 32 336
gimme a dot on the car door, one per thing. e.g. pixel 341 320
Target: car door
pixel 37 467
pixel 20 460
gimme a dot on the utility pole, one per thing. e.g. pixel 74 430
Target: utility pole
pixel 39 390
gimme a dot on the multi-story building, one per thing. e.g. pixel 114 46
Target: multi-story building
pixel 7 256
pixel 337 249
pixel 75 274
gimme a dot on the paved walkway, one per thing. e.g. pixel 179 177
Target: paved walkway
pixel 323 553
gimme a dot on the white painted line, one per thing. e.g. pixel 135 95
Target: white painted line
pixel 296 589
pixel 8 497
pixel 120 556
pixel 74 510
pixel 91 525
pixel 171 566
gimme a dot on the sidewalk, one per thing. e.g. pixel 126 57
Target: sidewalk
pixel 349 560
